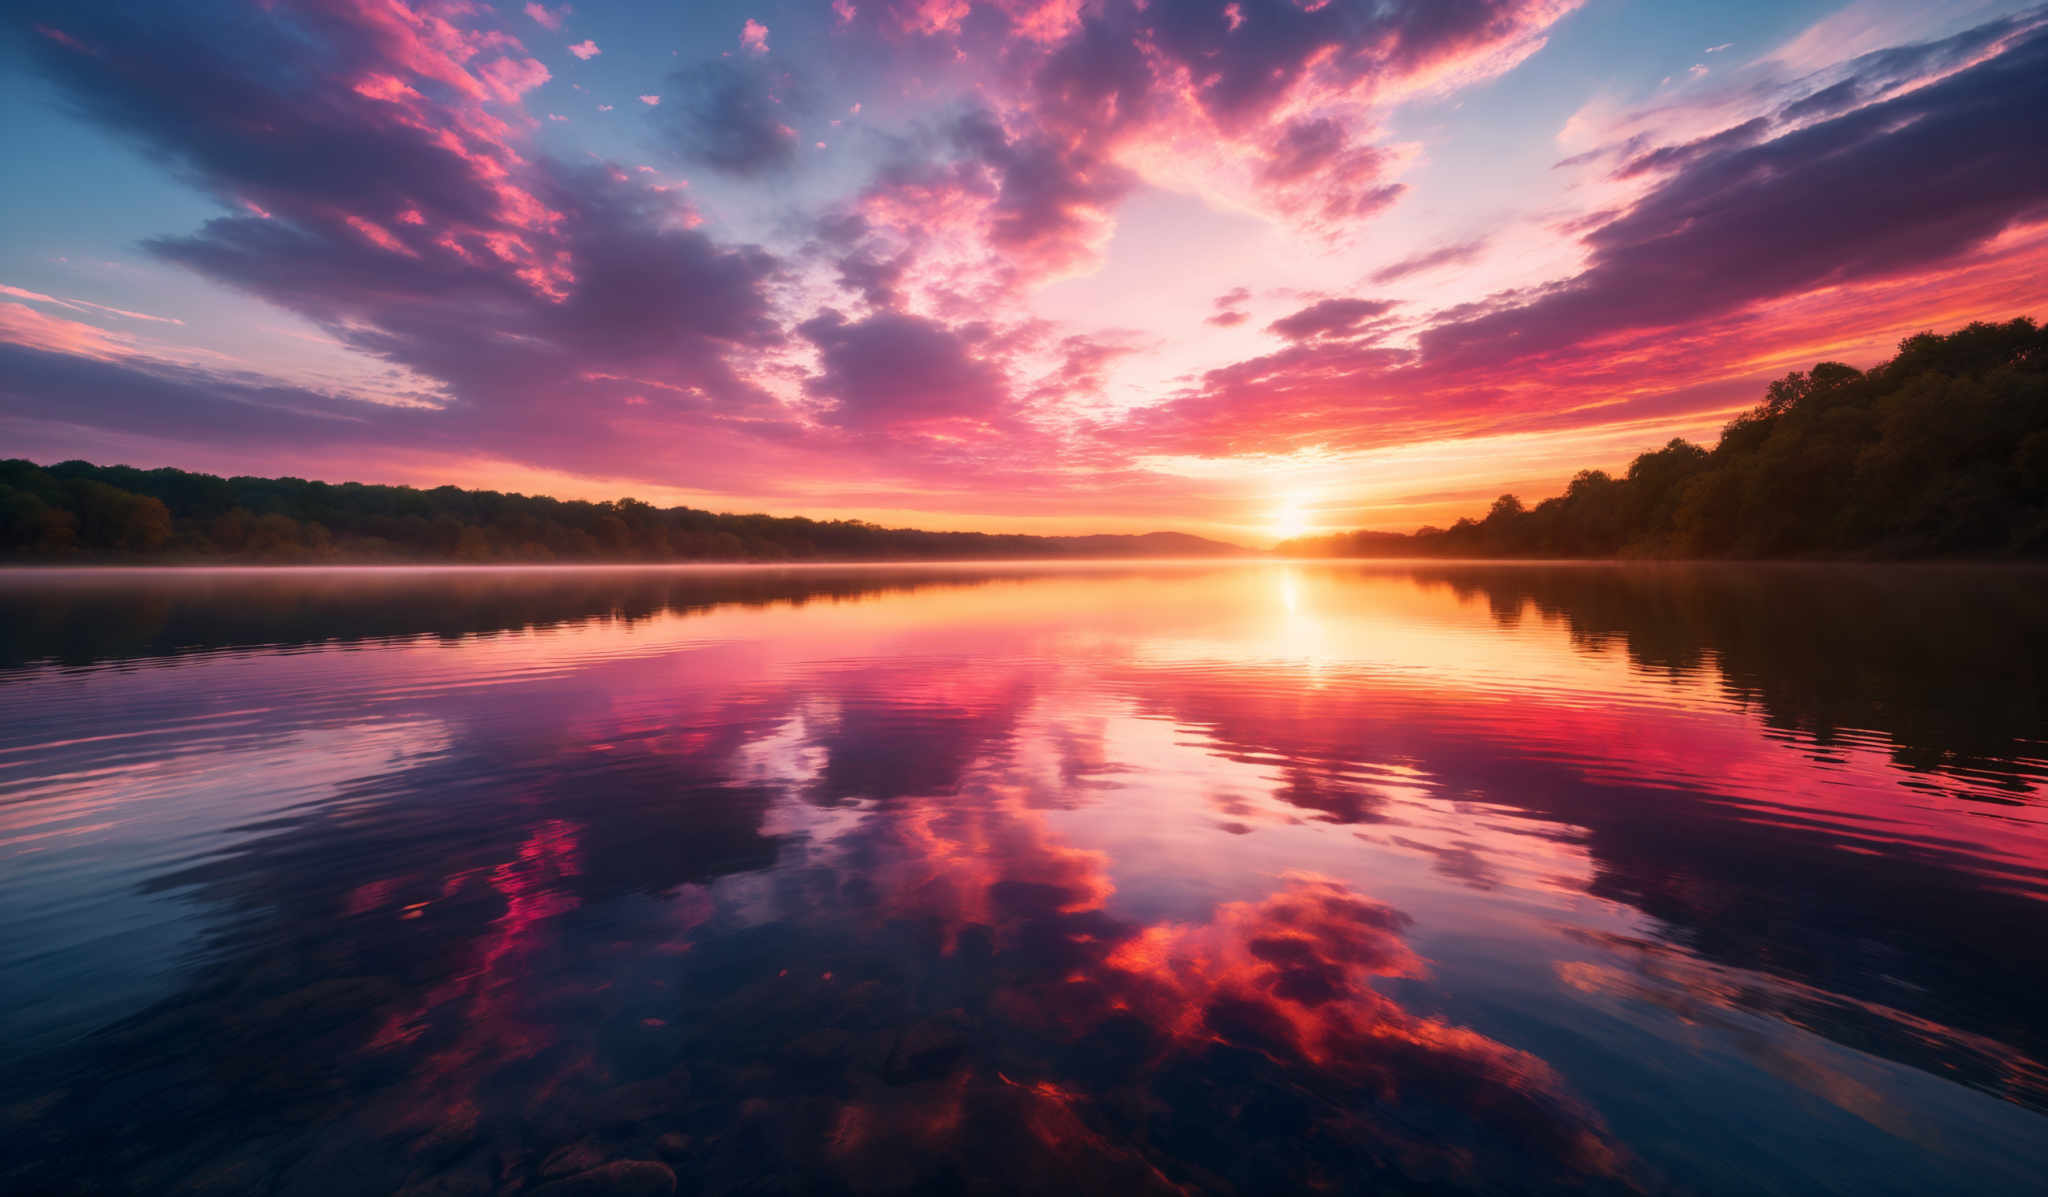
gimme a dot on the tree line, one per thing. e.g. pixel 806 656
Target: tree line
pixel 1940 452
pixel 77 511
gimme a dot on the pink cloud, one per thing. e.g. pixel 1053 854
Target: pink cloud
pixel 450 216
pixel 1001 216
pixel 1272 116
pixel 905 350
pixel 585 50
pixel 550 20
pixel 754 37
pixel 23 325
pixel 379 236
pixel 83 305
pixel 1042 21
pixel 425 43
pixel 389 88
pixel 930 17
pixel 510 78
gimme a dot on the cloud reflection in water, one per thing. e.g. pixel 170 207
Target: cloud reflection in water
pixel 1165 879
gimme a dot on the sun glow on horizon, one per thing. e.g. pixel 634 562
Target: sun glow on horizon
pixel 1341 299
pixel 1291 520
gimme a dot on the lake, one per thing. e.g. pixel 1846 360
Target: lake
pixel 1118 877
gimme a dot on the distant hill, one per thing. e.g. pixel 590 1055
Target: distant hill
pixel 1149 544
pixel 1940 452
pixel 75 511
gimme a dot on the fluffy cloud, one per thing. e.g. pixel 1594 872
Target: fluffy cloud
pixel 893 370
pixel 1754 214
pixel 1891 187
pixel 575 316
pixel 527 287
pixel 1265 106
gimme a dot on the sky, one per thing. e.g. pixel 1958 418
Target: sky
pixel 1246 269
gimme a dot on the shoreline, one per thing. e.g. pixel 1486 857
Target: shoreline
pixel 484 567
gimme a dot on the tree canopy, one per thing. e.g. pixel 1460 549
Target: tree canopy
pixel 1940 452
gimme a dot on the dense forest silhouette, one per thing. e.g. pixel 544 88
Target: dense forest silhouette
pixel 1940 452
pixel 77 511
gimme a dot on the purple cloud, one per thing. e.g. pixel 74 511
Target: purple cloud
pixel 540 295
pixel 1898 188
pixel 1328 317
pixel 1449 255
pixel 1050 199
pixel 733 116
pixel 1894 186
pixel 1666 157
pixel 892 370
pixel 49 389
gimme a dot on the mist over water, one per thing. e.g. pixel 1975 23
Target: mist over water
pixel 1253 877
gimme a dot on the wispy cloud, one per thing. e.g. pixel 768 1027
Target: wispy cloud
pixel 83 305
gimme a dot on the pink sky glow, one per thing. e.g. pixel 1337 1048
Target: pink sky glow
pixel 1241 269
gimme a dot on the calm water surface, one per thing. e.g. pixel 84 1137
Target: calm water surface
pixel 1256 878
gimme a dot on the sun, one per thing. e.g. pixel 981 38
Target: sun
pixel 1291 520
